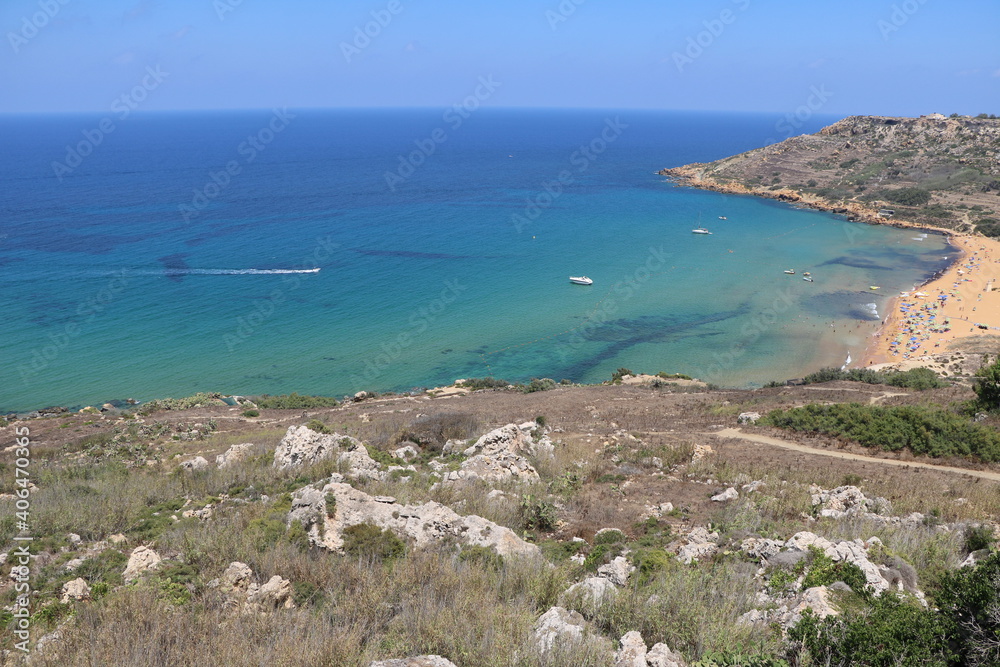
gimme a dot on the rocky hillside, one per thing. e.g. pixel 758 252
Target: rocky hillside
pixel 932 170
pixel 647 524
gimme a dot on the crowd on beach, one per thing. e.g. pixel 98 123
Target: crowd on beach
pixel 921 315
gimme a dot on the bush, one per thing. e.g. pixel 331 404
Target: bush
pixel 536 514
pixel 538 384
pixel 483 383
pixel 481 557
pixel 433 431
pixel 969 600
pixel 616 377
pixel 978 538
pixel 318 426
pixel 931 431
pixel 251 413
pixel 987 385
pixel 823 572
pixel 293 401
pixel 906 196
pixel 915 378
pixel 366 540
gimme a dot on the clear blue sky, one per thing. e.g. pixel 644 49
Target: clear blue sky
pixel 864 56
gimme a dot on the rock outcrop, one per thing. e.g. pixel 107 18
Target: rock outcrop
pixel 75 591
pixel 236 454
pixel 559 627
pixel 142 559
pixel 243 593
pixel 303 446
pixel 423 524
pixel 701 543
pixel 197 463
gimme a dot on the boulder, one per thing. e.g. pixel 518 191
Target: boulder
pixel 558 626
pixel 423 524
pixel 75 590
pixel 303 446
pixel 141 560
pixel 617 571
pixel 692 552
pixel 728 494
pixel 235 454
pixel 197 463
pixel 237 578
pixel 632 652
pixel 275 594
pixel 852 552
pixel 496 468
pixel 815 599
pixel 760 548
pixel 748 418
pixel 588 593
pixel 661 656
pixel 406 453
pixel 509 439
pixel 419 661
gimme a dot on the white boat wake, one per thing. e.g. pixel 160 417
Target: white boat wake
pixel 214 272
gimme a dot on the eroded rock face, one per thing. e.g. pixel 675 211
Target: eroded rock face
pixel 617 571
pixel 661 656
pixel 239 585
pixel 852 552
pixel 275 594
pixel 141 560
pixel 422 524
pixel 588 593
pixel 236 454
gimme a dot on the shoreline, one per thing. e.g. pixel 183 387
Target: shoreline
pixel 970 308
pixel 972 278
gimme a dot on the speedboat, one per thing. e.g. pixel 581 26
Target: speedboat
pixel 790 272
pixel 581 280
pixel 722 217
pixel 700 230
pixel 808 279
pixel 873 287
pixel 806 273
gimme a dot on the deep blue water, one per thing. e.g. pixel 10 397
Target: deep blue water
pixel 158 264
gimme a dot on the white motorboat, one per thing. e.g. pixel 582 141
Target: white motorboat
pixel 700 230
pixel 581 280
pixel 790 272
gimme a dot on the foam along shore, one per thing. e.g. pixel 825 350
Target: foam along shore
pixel 963 302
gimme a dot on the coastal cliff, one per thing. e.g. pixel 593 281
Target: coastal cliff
pixel 930 171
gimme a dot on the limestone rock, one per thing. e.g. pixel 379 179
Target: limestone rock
pixel 588 593
pixel 238 577
pixel 140 560
pixel 661 656
pixel 275 594
pixel 632 652
pixel 75 590
pixel 692 552
pixel 236 454
pixel 303 446
pixel 760 548
pixel 558 626
pixel 509 439
pixel 74 539
pixel 617 571
pixel 419 661
pixel 728 494
pixel 852 552
pixel 496 468
pixel 74 564
pixel 423 524
pixel 748 418
pixel 700 535
pixel 406 453
pixel 197 463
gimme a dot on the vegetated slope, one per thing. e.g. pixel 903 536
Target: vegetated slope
pixel 930 170
pixel 340 540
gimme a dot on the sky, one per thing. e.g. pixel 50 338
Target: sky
pixel 885 57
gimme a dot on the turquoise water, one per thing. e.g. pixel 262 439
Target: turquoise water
pixel 458 270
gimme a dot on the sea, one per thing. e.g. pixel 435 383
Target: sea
pixel 162 254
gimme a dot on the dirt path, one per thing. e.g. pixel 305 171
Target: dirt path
pixel 785 444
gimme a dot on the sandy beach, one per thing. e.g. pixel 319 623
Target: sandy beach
pixel 962 302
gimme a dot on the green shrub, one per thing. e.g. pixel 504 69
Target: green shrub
pixel 906 196
pixel 537 514
pixel 931 431
pixel 318 426
pixel 251 413
pixel 366 540
pixel 978 538
pixel 482 557
pixel 915 378
pixel 293 401
pixel 483 383
pixel 823 571
pixel 616 377
pixel 987 385
pixel 969 600
pixel 538 384
pixel 612 536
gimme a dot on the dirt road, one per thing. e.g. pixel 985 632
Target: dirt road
pixel 785 444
